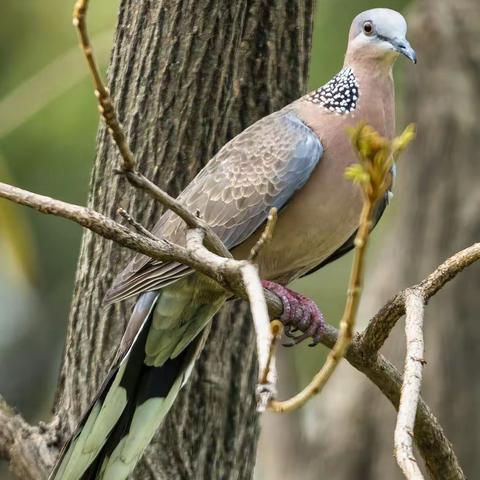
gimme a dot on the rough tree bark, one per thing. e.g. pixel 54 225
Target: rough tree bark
pixel 436 212
pixel 186 76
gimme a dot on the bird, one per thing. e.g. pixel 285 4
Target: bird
pixel 293 160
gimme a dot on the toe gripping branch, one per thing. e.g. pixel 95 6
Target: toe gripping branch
pixel 300 313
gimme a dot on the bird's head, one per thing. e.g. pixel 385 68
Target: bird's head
pixel 380 35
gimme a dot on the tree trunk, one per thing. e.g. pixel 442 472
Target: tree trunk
pixel 186 76
pixel 435 213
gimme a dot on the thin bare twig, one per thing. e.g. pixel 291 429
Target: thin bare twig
pixel 136 225
pixel 412 382
pixel 346 324
pixel 253 292
pixel 101 92
pixel 276 328
pixel 380 326
pixel 430 438
pixel 266 236
pixel 267 375
pixel 107 110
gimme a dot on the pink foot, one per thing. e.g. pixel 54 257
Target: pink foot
pixel 299 313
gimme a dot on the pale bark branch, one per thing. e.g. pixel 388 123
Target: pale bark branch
pixel 136 225
pixel 412 382
pixel 381 324
pixel 30 449
pixel 266 235
pixel 434 446
pixel 267 375
pixel 432 443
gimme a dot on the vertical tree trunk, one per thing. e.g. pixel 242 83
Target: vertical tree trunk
pixel 186 76
pixel 436 212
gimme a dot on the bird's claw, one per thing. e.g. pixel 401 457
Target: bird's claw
pixel 299 314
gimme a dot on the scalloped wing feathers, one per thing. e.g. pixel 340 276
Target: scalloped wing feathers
pixel 259 169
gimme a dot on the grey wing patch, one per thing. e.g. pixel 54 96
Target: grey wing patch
pixel 259 169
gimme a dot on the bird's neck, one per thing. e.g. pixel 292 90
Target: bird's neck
pixel 376 105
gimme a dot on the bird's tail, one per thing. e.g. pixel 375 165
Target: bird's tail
pixel 139 392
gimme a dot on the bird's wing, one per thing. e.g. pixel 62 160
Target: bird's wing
pixel 259 169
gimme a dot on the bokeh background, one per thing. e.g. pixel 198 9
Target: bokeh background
pixel 48 122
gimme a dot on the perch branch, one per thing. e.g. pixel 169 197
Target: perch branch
pixel 411 385
pixel 432 443
pixel 267 375
pixel 381 324
pixel 28 448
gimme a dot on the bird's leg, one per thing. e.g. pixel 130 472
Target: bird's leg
pixel 299 313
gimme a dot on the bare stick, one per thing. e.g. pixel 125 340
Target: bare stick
pixel 28 448
pixel 136 225
pixel 381 324
pixel 253 292
pixel 411 385
pixel 101 92
pixel 276 327
pixel 267 376
pixel 266 236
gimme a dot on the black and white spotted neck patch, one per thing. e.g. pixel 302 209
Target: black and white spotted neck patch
pixel 339 95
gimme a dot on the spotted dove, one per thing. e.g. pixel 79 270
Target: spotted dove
pixel 294 160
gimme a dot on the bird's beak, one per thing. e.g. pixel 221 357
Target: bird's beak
pixel 402 46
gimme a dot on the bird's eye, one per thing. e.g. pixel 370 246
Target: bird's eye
pixel 368 28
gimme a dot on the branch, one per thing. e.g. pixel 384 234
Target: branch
pixel 136 225
pixel 433 445
pixel 380 326
pixel 372 173
pixel 411 386
pixel 28 448
pixel 267 375
pixel 435 448
pixel 266 235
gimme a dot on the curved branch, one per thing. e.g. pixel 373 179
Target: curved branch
pixel 380 326
pixel 412 383
pixel 31 450
pixel 434 446
pixel 432 443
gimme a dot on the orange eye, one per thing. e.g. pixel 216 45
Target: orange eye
pixel 368 28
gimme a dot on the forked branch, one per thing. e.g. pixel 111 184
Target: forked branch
pixel 411 385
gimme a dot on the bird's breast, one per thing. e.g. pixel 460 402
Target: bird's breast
pixel 316 221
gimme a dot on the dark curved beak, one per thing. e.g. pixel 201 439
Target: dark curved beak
pixel 403 47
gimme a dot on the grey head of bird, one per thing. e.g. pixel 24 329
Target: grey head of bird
pixel 378 35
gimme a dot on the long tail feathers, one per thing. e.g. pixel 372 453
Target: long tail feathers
pixel 139 392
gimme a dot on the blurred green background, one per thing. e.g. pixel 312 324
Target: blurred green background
pixel 48 122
